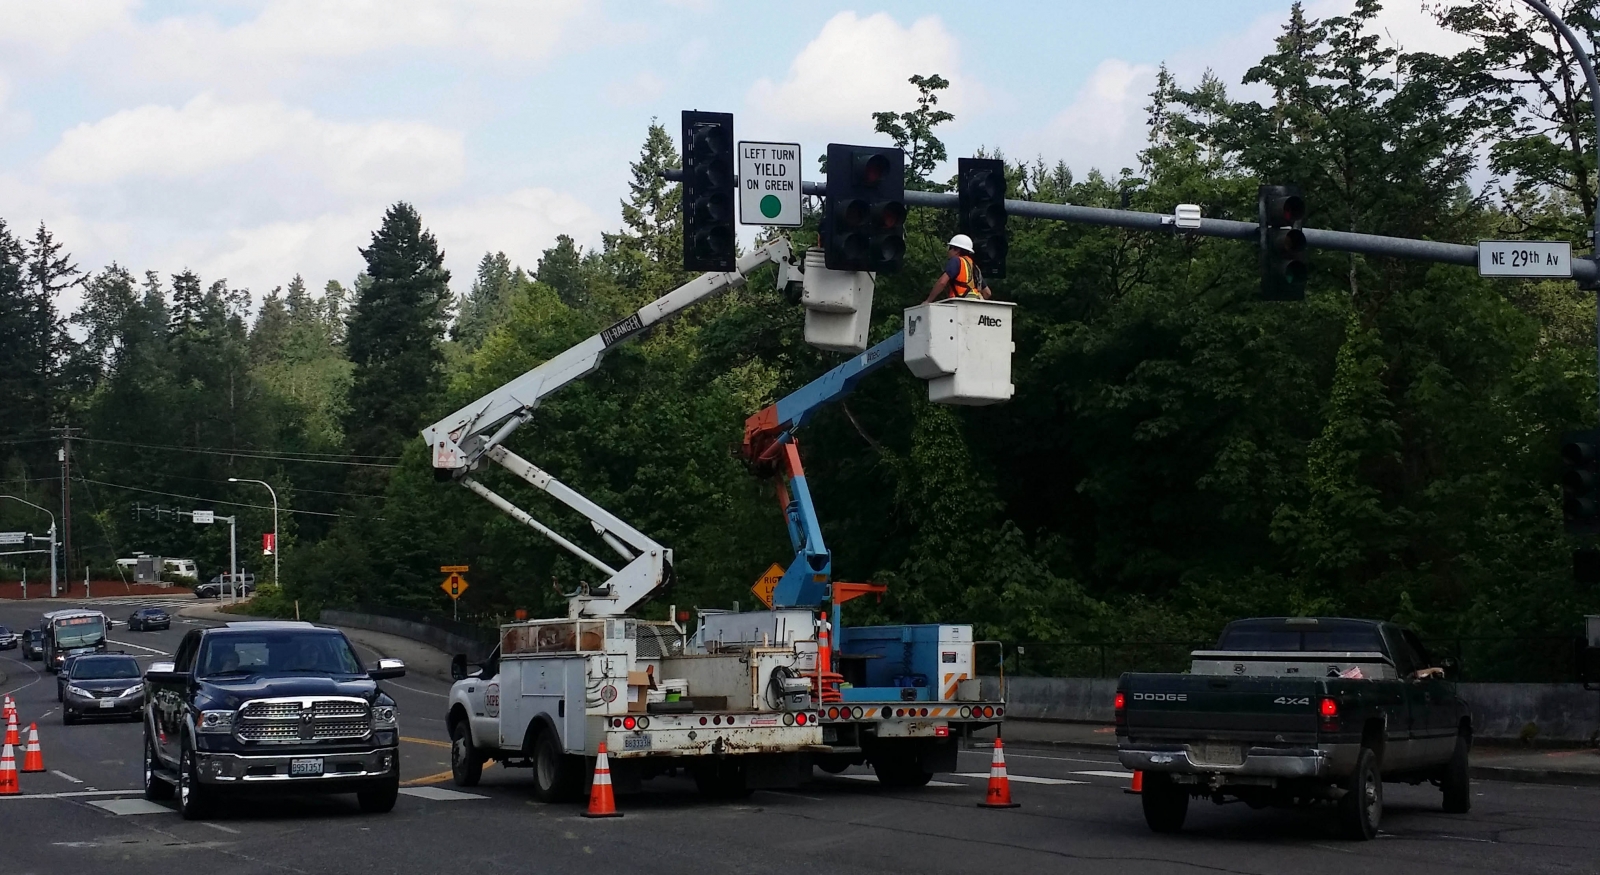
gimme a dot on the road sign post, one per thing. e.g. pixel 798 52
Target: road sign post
pixel 454 586
pixel 769 184
pixel 766 583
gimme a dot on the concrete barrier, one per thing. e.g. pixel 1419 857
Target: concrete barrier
pixel 1558 713
pixel 476 650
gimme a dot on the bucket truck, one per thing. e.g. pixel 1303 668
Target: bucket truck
pixel 898 697
pixel 731 705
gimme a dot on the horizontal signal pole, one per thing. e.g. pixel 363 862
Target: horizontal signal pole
pixel 1584 270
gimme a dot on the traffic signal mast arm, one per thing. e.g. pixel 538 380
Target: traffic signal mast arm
pixel 462 440
pixel 770 449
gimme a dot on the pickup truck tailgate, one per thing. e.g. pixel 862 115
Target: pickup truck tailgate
pixel 1176 707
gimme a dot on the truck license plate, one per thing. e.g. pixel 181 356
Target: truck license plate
pixel 308 767
pixel 636 742
pixel 1221 754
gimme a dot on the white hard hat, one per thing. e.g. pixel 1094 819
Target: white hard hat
pixel 962 242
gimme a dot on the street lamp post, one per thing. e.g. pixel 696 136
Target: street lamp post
pixel 1582 55
pixel 277 545
pixel 52 539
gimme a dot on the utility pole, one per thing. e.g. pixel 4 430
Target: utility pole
pixel 1582 55
pixel 64 456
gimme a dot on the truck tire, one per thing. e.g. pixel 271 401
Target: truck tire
pixel 155 789
pixel 380 799
pixel 466 764
pixel 555 776
pixel 194 798
pixel 1361 808
pixel 720 779
pixel 901 772
pixel 1166 804
pixel 1456 783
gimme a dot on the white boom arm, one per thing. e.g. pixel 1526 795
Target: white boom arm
pixel 477 431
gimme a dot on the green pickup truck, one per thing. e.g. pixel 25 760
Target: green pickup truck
pixel 1297 711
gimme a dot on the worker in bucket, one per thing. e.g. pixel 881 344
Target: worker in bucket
pixel 961 277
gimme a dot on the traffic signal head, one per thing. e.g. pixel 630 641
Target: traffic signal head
pixel 1580 482
pixel 981 196
pixel 1285 260
pixel 708 215
pixel 864 223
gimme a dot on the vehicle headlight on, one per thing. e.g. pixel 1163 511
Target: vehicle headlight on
pixel 214 721
pixel 384 717
pixel 131 691
pixel 79 691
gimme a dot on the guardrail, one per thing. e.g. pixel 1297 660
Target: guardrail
pixel 443 633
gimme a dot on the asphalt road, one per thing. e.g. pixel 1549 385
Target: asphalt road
pixel 87 815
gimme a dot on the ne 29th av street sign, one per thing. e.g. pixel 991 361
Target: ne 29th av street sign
pixel 769 184
pixel 1534 258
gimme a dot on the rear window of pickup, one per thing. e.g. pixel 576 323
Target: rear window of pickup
pixel 1324 637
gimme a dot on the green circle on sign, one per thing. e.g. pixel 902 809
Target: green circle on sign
pixel 771 206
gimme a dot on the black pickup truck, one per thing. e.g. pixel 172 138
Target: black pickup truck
pixel 264 706
pixel 1297 711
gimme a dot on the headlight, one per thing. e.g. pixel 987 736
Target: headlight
pixel 130 691
pixel 384 717
pixel 215 721
pixel 79 691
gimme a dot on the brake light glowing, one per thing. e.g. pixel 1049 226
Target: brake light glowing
pixel 800 719
pixel 1329 708
pixel 1120 702
pixel 627 723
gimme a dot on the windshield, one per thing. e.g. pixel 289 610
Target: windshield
pixel 80 631
pixel 104 669
pixel 297 651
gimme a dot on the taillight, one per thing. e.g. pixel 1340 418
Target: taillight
pixel 1120 702
pixel 1118 705
pixel 627 723
pixel 800 719
pixel 833 713
pixel 1329 708
pixel 988 711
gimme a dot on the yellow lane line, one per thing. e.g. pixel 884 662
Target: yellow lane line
pixel 427 741
pixel 436 779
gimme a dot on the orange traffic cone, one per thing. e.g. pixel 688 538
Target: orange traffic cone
pixel 33 757
pixel 1136 787
pixel 999 795
pixel 13 737
pixel 602 801
pixel 9 786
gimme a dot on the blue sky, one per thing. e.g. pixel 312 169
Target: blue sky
pixel 256 140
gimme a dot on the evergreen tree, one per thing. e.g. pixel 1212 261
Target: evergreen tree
pixel 489 301
pixel 271 329
pixel 561 268
pixel 395 330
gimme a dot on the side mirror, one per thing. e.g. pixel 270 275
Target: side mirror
pixel 458 667
pixel 164 673
pixel 388 668
pixel 1452 668
pixel 160 667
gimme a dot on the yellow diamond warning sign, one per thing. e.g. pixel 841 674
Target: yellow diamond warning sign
pixel 454 585
pixel 766 583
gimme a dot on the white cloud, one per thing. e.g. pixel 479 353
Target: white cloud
pixel 522 224
pixel 57 27
pixel 857 66
pixel 204 136
pixel 1104 125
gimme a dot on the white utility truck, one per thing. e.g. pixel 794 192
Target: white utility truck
pixel 733 705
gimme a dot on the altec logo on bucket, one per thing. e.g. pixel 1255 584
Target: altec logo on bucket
pixel 989 320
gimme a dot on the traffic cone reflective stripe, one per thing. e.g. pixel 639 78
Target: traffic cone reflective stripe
pixel 33 757
pixel 1137 786
pixel 13 737
pixel 9 786
pixel 602 801
pixel 999 793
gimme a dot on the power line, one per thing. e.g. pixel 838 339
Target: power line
pixel 221 501
pixel 290 488
pixel 242 454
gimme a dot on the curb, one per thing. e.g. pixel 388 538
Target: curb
pixel 1535 776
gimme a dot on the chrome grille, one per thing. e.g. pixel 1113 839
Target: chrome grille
pixel 289 721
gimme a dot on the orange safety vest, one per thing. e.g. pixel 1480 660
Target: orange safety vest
pixel 962 284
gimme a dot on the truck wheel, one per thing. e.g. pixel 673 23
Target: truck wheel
pixel 466 765
pixel 554 777
pixel 380 799
pixel 1361 809
pixel 901 772
pixel 720 779
pixel 1166 805
pixel 1457 780
pixel 155 788
pixel 194 798
pixel 833 765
